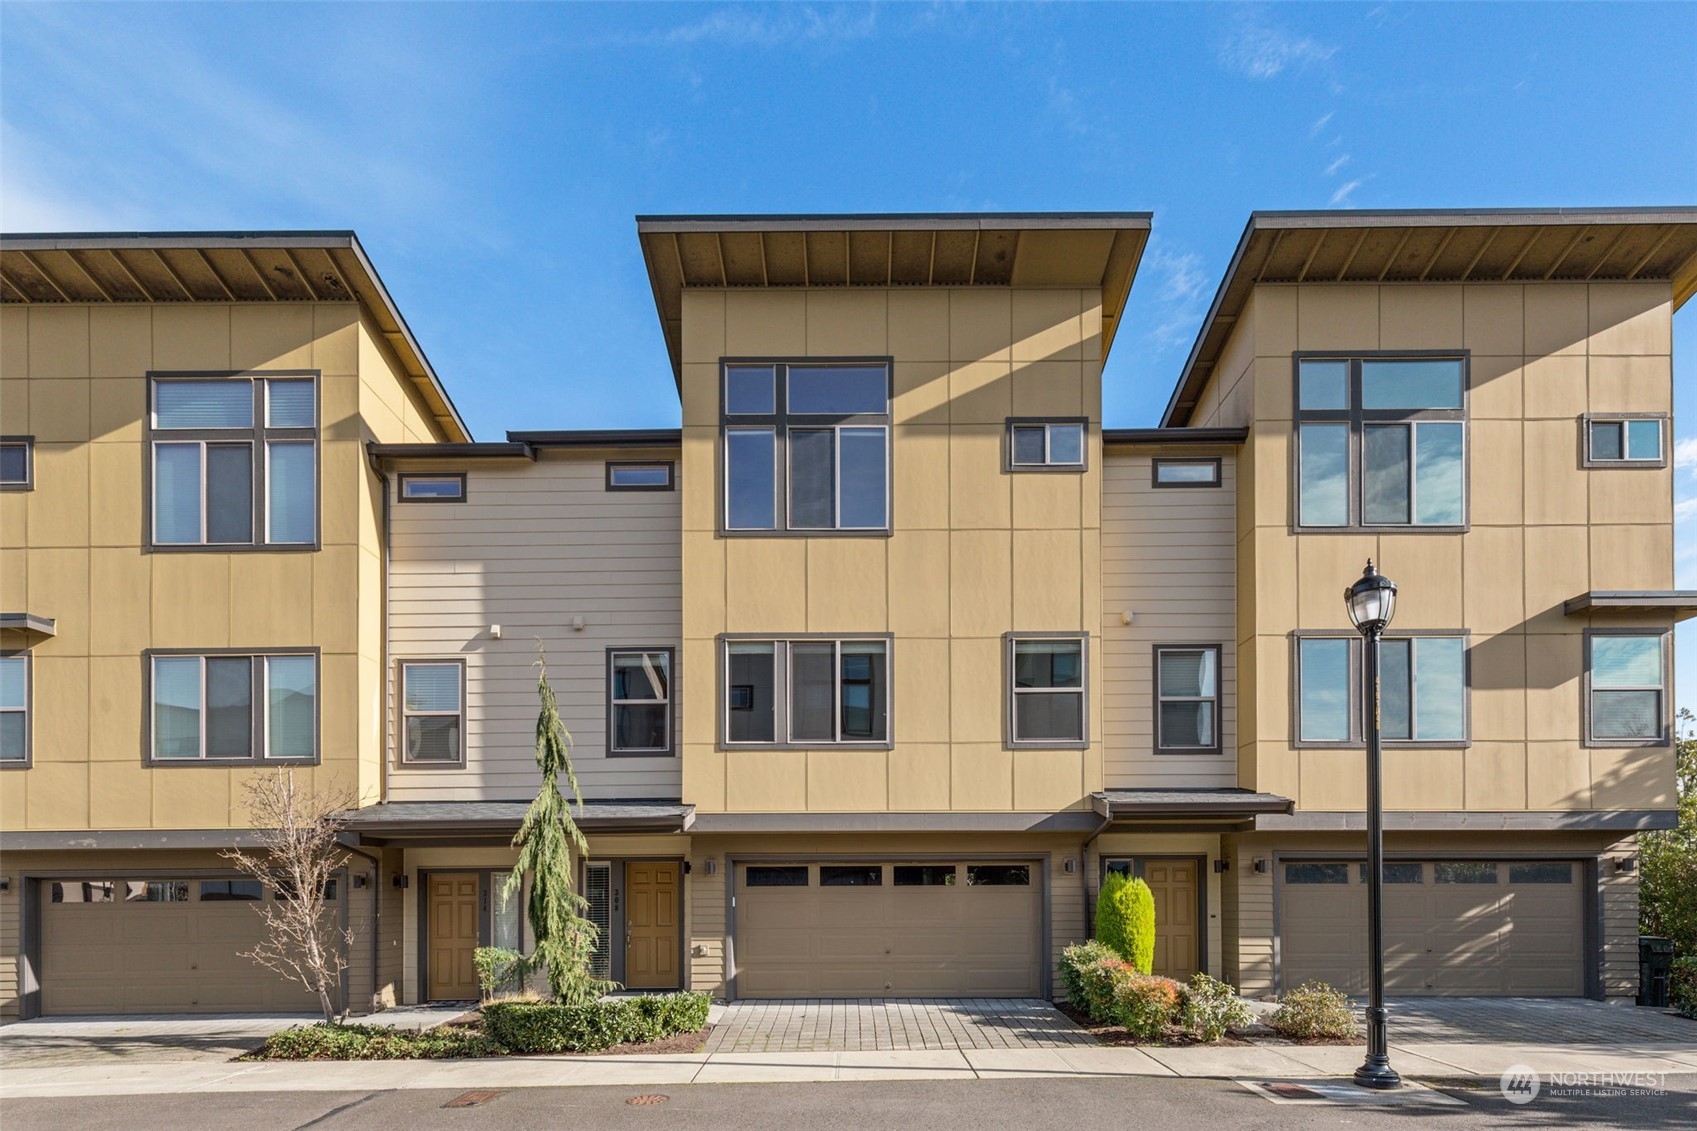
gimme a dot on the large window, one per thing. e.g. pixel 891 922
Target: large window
pixel 1626 694
pixel 1381 442
pixel 639 701
pixel 433 712
pixel 806 447
pixel 1422 690
pixel 235 461
pixel 807 693
pixel 224 708
pixel 1187 697
pixel 1046 692
pixel 14 709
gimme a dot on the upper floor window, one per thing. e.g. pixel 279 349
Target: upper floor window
pixel 639 701
pixel 1045 445
pixel 806 693
pixel 1185 472
pixel 14 709
pixel 1422 690
pixel 446 487
pixel 1381 442
pixel 1046 690
pixel 1187 694
pixel 17 463
pixel 433 711
pixel 223 707
pixel 235 461
pixel 633 475
pixel 806 447
pixel 1624 441
pixel 1626 688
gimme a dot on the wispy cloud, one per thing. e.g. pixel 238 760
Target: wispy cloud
pixel 1341 197
pixel 1180 291
pixel 1336 165
pixel 1685 454
pixel 1260 50
pixel 751 28
pixel 1320 123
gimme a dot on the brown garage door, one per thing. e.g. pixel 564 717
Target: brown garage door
pixel 880 929
pixel 156 946
pixel 1472 927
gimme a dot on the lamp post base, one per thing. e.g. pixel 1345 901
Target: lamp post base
pixel 1377 1073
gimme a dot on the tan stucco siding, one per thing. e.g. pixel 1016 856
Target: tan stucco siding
pixel 534 546
pixel 1167 560
pixel 1542 529
pixel 974 552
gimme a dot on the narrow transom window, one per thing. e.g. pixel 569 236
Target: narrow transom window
pixel 806 693
pixel 1627 695
pixel 1628 441
pixel 631 475
pixel 1381 442
pixel 806 447
pixel 421 488
pixel 17 463
pixel 1185 473
pixel 639 701
pixel 234 461
pixel 1040 444
pixel 433 711
pixel 1423 683
pixel 1046 693
pixel 234 708
pixel 1187 690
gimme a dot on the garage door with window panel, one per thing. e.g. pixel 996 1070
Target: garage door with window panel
pixel 1463 927
pixel 889 929
pixel 157 946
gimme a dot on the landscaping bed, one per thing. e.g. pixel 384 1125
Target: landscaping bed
pixel 1118 1036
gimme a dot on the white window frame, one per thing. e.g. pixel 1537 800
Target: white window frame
pixel 781 693
pixel 405 713
pixel 259 707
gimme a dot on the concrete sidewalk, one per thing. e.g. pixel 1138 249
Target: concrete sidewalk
pixel 1415 1059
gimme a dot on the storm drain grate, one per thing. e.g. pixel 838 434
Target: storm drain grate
pixel 472 1099
pixel 647 1099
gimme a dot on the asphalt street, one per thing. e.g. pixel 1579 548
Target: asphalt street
pixel 1071 1104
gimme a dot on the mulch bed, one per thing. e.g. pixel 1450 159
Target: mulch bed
pixel 1117 1036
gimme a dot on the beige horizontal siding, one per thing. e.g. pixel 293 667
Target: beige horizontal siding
pixel 533 546
pixel 1168 557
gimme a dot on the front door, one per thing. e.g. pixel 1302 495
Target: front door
pixel 453 918
pixel 1173 884
pixel 651 925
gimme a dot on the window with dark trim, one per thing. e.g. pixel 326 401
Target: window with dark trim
pixel 1395 873
pixel 232 707
pixel 1047 691
pixel 1038 444
pixel 851 876
pixel 17 463
pixel 1464 872
pixel 15 673
pixel 1423 690
pixel 924 875
pixel 433 712
pixel 775 876
pixel 1187 698
pixel 1167 472
pixel 434 487
pixel 1626 688
pixel 806 447
pixel 998 875
pixel 639 701
pixel 82 891
pixel 224 891
pixel 806 692
pixel 640 475
pixel 156 891
pixel 1625 440
pixel 1548 872
pixel 234 460
pixel 1316 873
pixel 1381 442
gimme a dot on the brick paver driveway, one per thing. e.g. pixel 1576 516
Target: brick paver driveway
pixel 898 1023
pixel 1543 1021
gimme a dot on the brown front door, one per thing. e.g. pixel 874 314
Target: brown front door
pixel 453 917
pixel 651 925
pixel 1177 934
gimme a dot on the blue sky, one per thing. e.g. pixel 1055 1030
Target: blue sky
pixel 492 156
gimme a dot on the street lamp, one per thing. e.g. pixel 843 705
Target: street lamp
pixel 1371 602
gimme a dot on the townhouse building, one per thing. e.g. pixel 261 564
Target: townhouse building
pixel 878 664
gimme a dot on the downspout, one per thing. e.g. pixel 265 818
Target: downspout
pixel 376 903
pixel 383 637
pixel 1084 868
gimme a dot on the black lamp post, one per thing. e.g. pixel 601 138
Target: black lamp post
pixel 1371 602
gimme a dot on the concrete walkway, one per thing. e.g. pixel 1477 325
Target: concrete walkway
pixel 893 1024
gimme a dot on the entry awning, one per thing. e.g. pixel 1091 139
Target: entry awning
pixel 1681 604
pixel 419 820
pixel 1169 805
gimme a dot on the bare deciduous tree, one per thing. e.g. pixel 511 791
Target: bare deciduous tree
pixel 297 855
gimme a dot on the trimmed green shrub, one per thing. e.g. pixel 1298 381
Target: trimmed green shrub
pixel 1097 982
pixel 536 1026
pixel 498 970
pixel 1212 1008
pixel 1313 1009
pixel 1125 920
pixel 328 1041
pixel 1682 987
pixel 1145 1005
pixel 1074 960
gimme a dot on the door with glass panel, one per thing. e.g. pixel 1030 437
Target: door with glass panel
pixel 466 910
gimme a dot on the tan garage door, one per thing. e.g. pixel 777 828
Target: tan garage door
pixel 880 929
pixel 1479 927
pixel 156 946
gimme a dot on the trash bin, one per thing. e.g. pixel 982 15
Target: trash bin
pixel 1655 965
